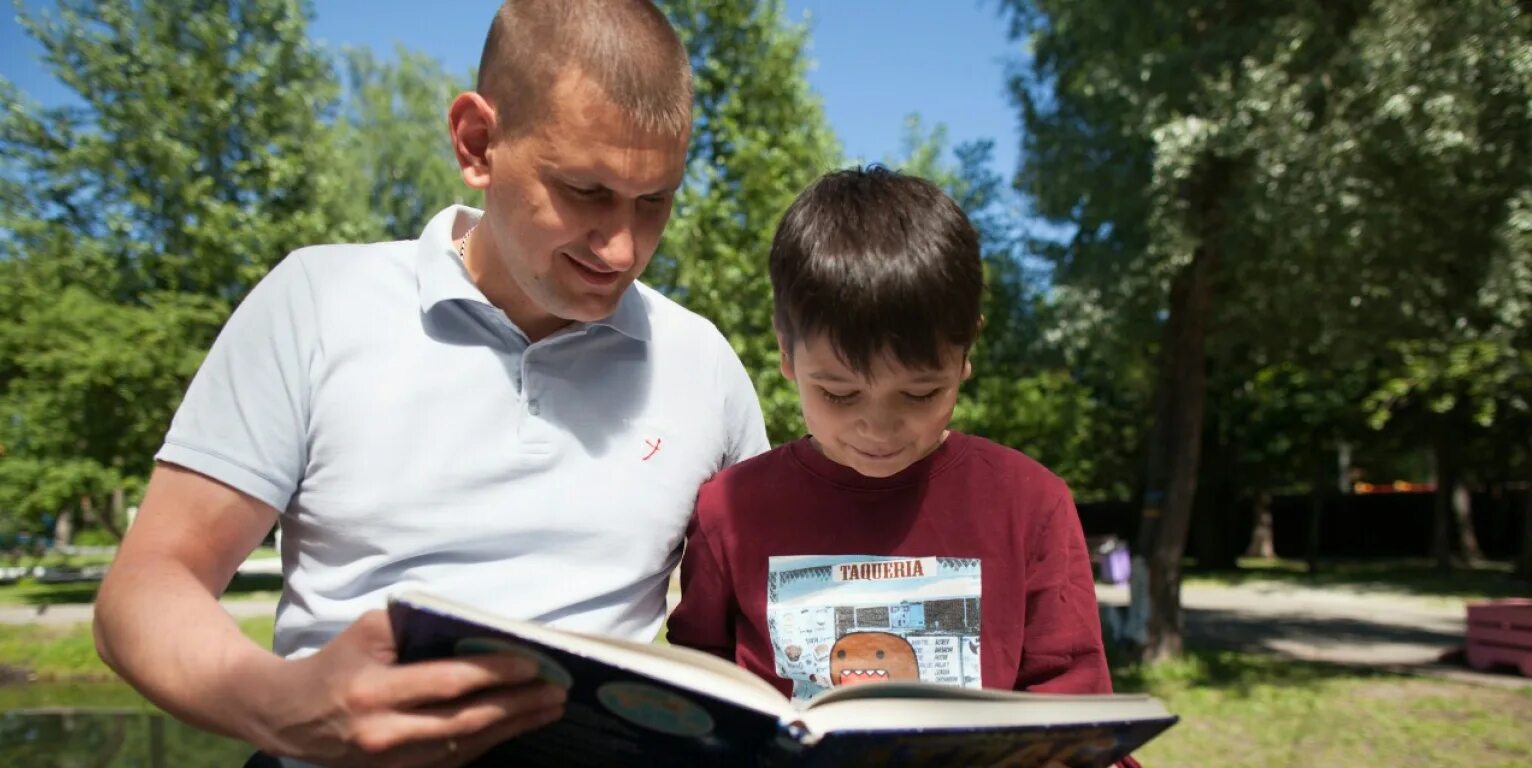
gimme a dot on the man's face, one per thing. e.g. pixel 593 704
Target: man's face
pixel 877 424
pixel 576 205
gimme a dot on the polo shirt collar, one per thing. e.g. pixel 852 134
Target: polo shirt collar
pixel 441 275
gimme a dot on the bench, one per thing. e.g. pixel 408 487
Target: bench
pixel 1500 632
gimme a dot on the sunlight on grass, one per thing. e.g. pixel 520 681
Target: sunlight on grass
pixel 1491 579
pixel 60 652
pixel 30 592
pixel 1250 711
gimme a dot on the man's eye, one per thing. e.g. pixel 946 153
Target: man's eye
pixel 654 199
pixel 584 191
pixel 838 399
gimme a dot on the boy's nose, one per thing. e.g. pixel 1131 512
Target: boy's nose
pixel 879 426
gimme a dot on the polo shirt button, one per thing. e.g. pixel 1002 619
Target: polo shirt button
pixel 533 408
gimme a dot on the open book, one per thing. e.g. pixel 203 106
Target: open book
pixel 634 703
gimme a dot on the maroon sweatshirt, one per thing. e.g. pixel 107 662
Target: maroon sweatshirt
pixel 970 500
pixel 987 515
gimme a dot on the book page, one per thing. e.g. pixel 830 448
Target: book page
pixel 868 709
pixel 684 667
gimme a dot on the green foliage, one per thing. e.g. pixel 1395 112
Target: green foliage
pixel 1375 226
pixel 392 130
pixel 759 138
pixel 1021 393
pixel 193 158
pixel 1441 150
pixel 197 158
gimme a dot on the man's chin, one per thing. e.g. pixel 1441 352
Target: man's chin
pixel 590 309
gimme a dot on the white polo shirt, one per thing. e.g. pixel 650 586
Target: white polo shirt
pixel 411 438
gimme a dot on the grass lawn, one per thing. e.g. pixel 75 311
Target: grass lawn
pixel 11 559
pixel 1238 710
pixel 67 653
pixel 32 592
pixel 1242 710
pixel 1411 577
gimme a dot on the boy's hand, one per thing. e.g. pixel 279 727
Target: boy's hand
pixel 350 704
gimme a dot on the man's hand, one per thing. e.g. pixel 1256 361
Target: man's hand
pixel 350 705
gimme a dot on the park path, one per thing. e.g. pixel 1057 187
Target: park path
pixel 1385 630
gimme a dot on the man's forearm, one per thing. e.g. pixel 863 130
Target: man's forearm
pixel 162 630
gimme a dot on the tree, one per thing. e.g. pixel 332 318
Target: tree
pixel 1224 163
pixel 1022 392
pixel 759 138
pixel 1138 139
pixel 393 126
pixel 1441 144
pixel 200 153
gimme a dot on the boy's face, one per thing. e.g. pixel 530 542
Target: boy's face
pixel 876 424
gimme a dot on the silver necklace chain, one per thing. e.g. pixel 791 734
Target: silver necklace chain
pixel 462 245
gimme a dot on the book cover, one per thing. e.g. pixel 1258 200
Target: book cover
pixel 637 704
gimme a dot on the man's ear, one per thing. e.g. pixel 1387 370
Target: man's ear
pixel 471 123
pixel 785 358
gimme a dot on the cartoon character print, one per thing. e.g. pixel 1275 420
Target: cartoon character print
pixel 800 639
pixel 869 657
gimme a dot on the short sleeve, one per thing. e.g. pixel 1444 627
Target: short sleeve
pixel 741 408
pixel 243 421
pixel 1063 650
pixel 704 619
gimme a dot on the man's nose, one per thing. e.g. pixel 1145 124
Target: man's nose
pixel 613 241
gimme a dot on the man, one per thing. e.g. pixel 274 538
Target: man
pixel 496 412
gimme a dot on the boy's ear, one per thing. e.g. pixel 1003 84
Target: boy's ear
pixel 471 125
pixel 967 367
pixel 785 358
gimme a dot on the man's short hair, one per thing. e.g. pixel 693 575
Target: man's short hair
pixel 877 262
pixel 626 46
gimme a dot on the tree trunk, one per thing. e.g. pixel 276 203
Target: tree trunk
pixel 1444 460
pixel 1462 513
pixel 119 505
pixel 1318 489
pixel 1524 566
pixel 1343 467
pixel 102 517
pixel 1212 509
pixel 1176 441
pixel 63 529
pixel 1261 542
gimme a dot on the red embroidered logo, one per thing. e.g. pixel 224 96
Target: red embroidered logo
pixel 654 447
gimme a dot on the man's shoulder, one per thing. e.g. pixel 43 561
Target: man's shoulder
pixel 348 277
pixel 672 323
pixel 344 261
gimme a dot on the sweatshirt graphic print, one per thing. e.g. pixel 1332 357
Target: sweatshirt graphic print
pixel 838 620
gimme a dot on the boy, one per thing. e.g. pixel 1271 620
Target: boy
pixel 871 549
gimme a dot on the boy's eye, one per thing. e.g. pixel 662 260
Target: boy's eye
pixel 922 397
pixel 838 399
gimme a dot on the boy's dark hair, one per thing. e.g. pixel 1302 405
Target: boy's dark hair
pixel 877 261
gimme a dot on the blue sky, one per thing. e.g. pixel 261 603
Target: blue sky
pixel 875 61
